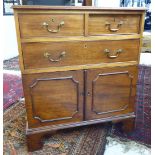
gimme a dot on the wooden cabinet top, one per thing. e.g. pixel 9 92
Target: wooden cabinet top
pixel 41 7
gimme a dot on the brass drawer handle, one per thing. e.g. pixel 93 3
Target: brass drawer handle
pixel 114 29
pixel 46 25
pixel 47 55
pixel 110 54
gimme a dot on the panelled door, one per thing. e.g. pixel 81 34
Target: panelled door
pixel 54 98
pixel 110 91
pixel 57 98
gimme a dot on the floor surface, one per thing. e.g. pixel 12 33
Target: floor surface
pixel 118 147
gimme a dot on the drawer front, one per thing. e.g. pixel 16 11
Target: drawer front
pixel 53 98
pixel 43 25
pixel 112 51
pixel 47 54
pixel 113 24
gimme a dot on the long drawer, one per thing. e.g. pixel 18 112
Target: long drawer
pixel 56 54
pixel 51 25
pixel 101 24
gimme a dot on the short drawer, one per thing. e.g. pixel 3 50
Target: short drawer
pixel 52 54
pixel 51 25
pixel 112 51
pixel 100 24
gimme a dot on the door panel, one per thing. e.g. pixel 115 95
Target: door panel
pixel 54 98
pixel 110 92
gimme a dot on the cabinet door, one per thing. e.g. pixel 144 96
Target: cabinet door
pixel 53 98
pixel 110 92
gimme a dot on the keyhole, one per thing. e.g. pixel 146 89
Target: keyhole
pixel 88 93
pixel 85 46
pixel 52 20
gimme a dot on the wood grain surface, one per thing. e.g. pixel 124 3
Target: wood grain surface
pixel 98 24
pixel 53 98
pixel 31 25
pixel 110 91
pixel 78 53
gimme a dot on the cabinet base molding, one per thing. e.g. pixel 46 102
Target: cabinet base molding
pixel 35 135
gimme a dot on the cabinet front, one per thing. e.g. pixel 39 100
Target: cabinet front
pixel 53 98
pixel 110 92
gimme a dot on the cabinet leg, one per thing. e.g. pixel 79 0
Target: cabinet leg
pixel 34 142
pixel 128 125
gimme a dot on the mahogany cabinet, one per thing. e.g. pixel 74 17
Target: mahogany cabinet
pixel 78 64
